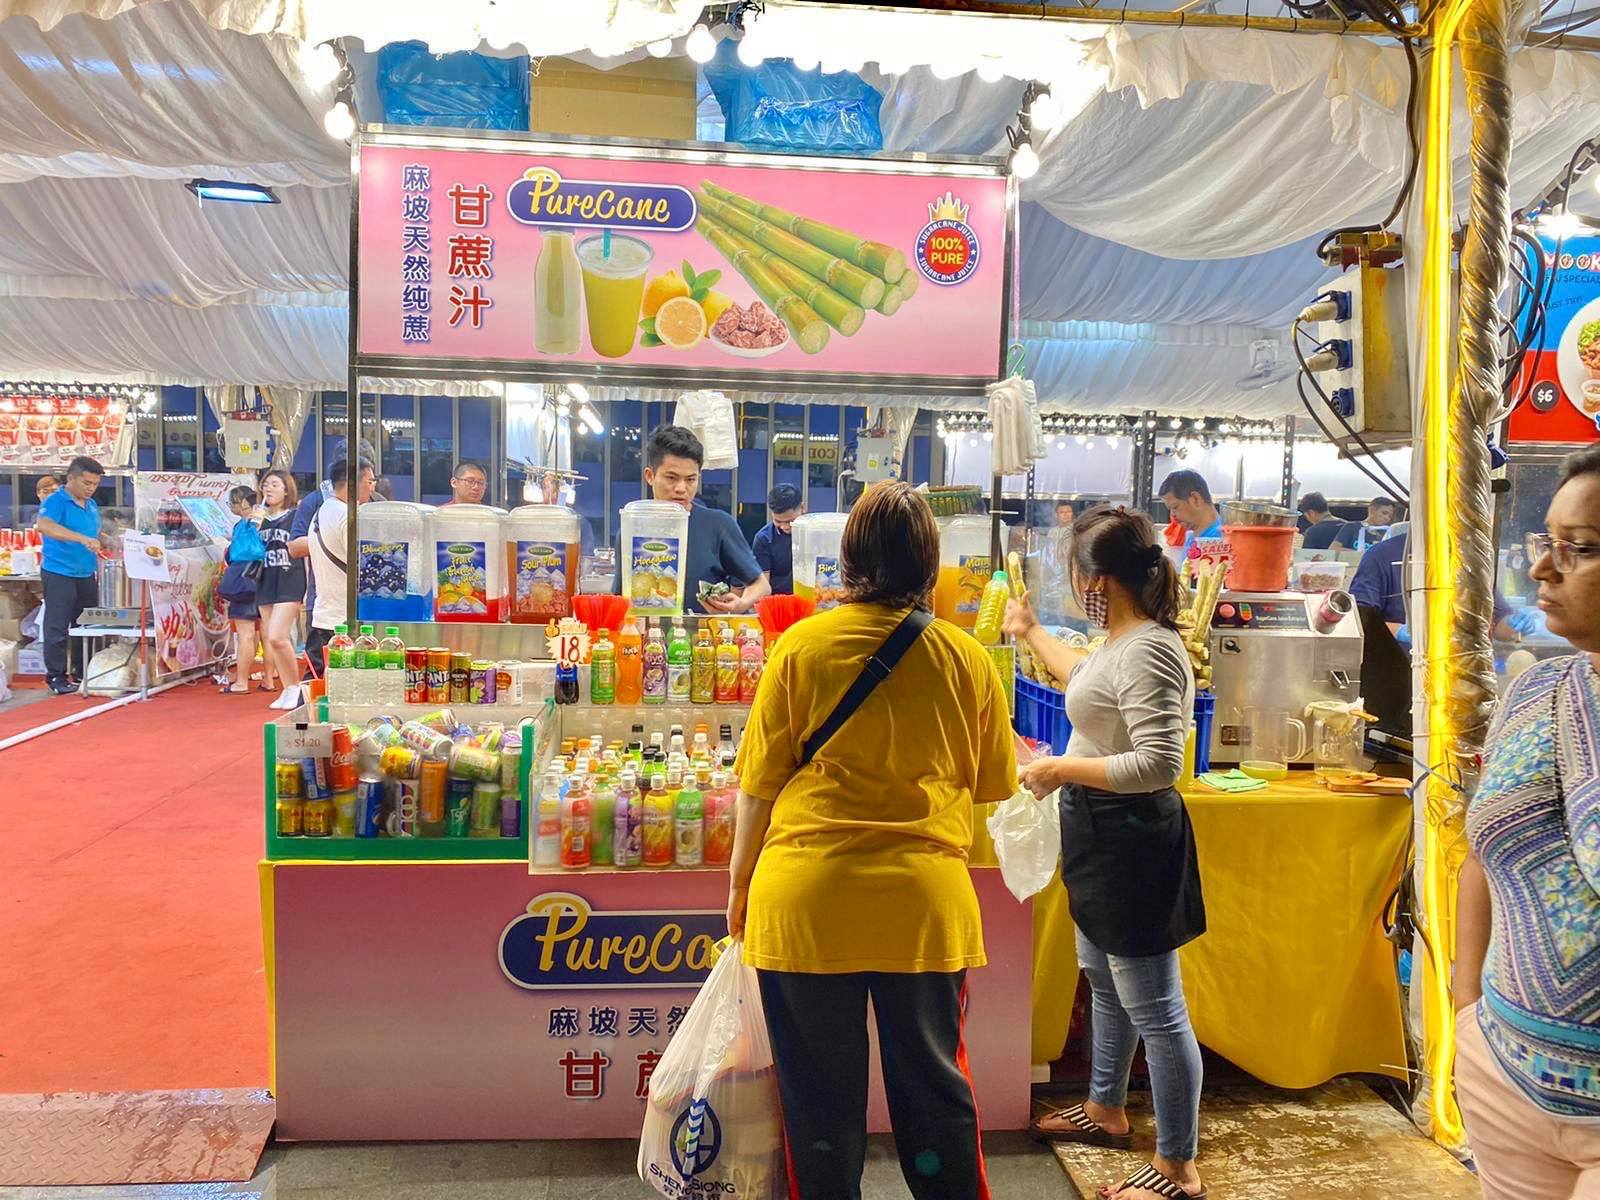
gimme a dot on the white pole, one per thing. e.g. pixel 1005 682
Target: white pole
pixel 85 714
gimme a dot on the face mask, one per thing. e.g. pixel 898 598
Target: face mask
pixel 1097 608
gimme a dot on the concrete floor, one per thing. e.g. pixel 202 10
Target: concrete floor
pixel 1018 1170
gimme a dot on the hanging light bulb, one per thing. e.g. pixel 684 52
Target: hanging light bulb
pixel 319 64
pixel 701 46
pixel 660 49
pixel 1044 113
pixel 339 122
pixel 750 52
pixel 1024 161
pixel 1113 441
pixel 806 63
pixel 988 435
pixel 1081 439
pixel 990 70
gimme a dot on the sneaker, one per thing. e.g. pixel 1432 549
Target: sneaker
pixel 63 686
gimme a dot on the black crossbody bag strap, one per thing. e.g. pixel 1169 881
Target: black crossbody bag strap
pixel 316 528
pixel 873 672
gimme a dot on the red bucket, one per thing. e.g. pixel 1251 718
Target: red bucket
pixel 1260 557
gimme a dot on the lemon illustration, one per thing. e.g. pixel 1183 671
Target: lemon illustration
pixel 661 289
pixel 681 323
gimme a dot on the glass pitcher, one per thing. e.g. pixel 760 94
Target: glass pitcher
pixel 1276 738
pixel 1337 740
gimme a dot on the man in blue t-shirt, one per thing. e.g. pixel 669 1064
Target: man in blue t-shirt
pixel 716 551
pixel 69 521
pixel 773 544
pixel 1187 496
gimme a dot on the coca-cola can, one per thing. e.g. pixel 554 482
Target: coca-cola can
pixel 342 766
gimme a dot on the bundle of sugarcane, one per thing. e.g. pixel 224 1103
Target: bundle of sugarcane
pixel 1194 622
pixel 829 269
pixel 810 330
pixel 898 293
pixel 885 262
pixel 838 311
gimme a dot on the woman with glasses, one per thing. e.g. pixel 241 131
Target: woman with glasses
pixel 1527 975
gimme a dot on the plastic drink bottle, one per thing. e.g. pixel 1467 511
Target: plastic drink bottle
pixel 679 666
pixel 703 668
pixel 547 847
pixel 341 663
pixel 604 823
pixel 392 664
pixel 719 805
pixel 577 816
pixel 752 659
pixel 656 840
pixel 992 609
pixel 655 667
pixel 367 666
pixel 690 838
pixel 603 670
pixel 725 747
pixel 627 841
pixel 630 664
pixel 727 669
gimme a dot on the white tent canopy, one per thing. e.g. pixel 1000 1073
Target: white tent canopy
pixel 1169 228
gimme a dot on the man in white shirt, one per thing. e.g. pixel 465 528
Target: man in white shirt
pixel 326 539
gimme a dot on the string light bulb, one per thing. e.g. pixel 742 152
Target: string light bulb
pixel 701 46
pixel 750 52
pixel 660 49
pixel 340 122
pixel 319 64
pixel 1024 161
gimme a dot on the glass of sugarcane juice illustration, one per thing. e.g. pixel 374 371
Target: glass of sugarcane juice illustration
pixel 613 267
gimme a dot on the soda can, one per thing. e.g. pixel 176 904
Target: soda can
pixel 510 760
pixel 483 683
pixel 425 740
pixel 291 781
pixel 344 814
pixel 442 720
pixel 400 762
pixel 439 675
pixel 369 807
pixel 486 810
pixel 434 794
pixel 416 675
pixel 315 773
pixel 474 762
pixel 458 817
pixel 407 805
pixel 460 678
pixel 508 683
pixel 510 813
pixel 291 816
pixel 317 820
pixel 342 766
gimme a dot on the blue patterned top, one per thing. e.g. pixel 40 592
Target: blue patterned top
pixel 1535 826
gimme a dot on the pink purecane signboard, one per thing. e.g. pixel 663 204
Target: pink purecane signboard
pixel 680 265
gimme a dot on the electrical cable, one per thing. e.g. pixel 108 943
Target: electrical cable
pixel 1307 373
pixel 1311 410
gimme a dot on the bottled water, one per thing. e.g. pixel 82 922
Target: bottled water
pixel 392 669
pixel 341 665
pixel 367 666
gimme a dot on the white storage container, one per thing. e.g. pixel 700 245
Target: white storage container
pixel 469 563
pixel 964 569
pixel 816 558
pixel 395 573
pixel 542 542
pixel 655 542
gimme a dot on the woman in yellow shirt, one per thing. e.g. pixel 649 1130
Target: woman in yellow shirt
pixel 849 875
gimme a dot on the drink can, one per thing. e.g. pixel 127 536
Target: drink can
pixel 369 807
pixel 315 773
pixel 484 682
pixel 434 793
pixel 441 720
pixel 438 675
pixel 510 761
pixel 400 762
pixel 425 740
pixel 416 675
pixel 342 766
pixel 291 781
pixel 344 814
pixel 460 678
pixel 291 816
pixel 317 820
pixel 508 683
pixel 510 813
pixel 474 762
pixel 486 810
pixel 458 817
pixel 407 806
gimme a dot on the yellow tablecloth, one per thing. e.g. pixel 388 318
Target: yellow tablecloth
pixel 1293 980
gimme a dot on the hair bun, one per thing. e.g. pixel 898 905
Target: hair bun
pixel 1153 554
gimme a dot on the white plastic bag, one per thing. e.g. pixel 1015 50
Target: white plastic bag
pixel 1027 841
pixel 710 415
pixel 712 1127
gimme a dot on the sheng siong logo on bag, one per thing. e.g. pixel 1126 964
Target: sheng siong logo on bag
pixel 562 942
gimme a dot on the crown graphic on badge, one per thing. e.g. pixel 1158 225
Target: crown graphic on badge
pixel 948 208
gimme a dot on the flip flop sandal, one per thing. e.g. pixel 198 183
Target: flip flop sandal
pixel 1085 1130
pixel 1152 1180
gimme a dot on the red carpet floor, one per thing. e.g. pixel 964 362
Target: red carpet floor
pixel 130 931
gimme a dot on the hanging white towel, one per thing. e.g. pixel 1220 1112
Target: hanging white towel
pixel 1014 420
pixel 710 415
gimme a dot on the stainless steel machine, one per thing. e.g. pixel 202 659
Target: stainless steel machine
pixel 1274 653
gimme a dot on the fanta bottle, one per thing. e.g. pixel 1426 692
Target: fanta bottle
pixel 630 664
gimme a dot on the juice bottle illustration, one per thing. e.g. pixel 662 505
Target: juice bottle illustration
pixel 630 664
pixel 613 288
pixel 752 658
pixel 557 293
pixel 727 669
pixel 603 670
pixel 703 668
pixel 679 666
pixel 655 667
pixel 656 842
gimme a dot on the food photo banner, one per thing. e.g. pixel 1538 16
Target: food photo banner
pixel 681 266
pixel 1563 402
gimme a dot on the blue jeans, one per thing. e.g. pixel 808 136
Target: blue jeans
pixel 1143 998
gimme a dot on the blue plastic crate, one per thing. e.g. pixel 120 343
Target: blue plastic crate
pixel 1205 709
pixel 1042 714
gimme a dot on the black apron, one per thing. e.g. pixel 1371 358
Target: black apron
pixel 1129 865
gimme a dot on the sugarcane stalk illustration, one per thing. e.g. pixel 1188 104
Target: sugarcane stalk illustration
pixel 839 311
pixel 884 261
pixel 843 277
pixel 810 330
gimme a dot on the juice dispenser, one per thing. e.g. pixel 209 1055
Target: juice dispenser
pixel 655 539
pixel 964 569
pixel 469 563
pixel 394 580
pixel 816 558
pixel 542 543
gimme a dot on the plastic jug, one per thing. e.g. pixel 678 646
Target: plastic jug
pixel 992 609
pixel 1276 740
pixel 816 558
pixel 469 563
pixel 655 539
pixel 964 569
pixel 395 579
pixel 542 542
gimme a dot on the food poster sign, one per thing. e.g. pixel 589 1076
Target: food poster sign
pixel 670 266
pixel 43 432
pixel 191 513
pixel 1564 403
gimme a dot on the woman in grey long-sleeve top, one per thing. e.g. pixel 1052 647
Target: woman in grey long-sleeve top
pixel 1127 849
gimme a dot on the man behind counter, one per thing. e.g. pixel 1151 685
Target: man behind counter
pixel 1187 496
pixel 716 552
pixel 773 544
